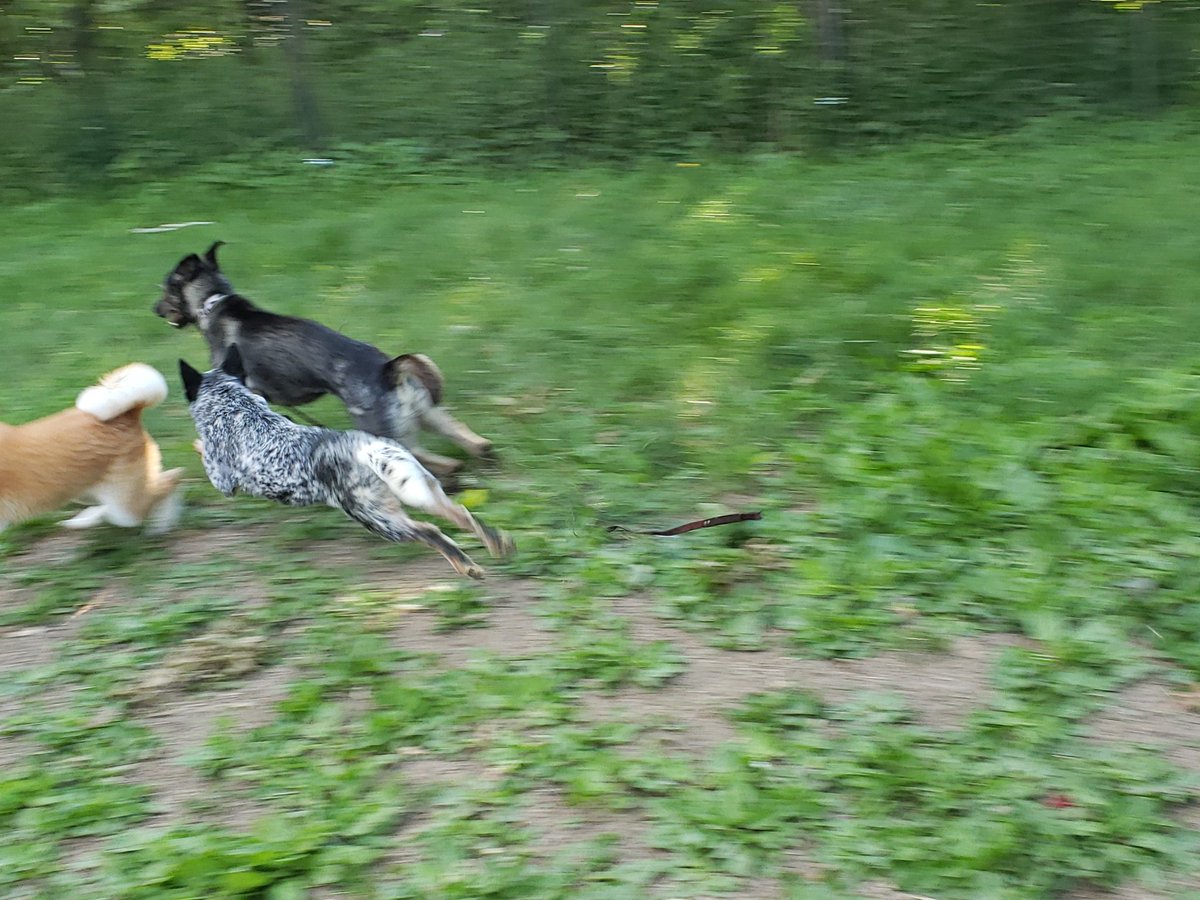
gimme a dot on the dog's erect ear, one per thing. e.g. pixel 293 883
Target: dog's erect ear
pixel 418 366
pixel 191 381
pixel 210 255
pixel 189 267
pixel 232 363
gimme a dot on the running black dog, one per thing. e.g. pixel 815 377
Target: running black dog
pixel 293 361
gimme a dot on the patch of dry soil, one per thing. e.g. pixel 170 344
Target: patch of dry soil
pixel 688 714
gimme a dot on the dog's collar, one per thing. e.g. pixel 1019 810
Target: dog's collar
pixel 206 308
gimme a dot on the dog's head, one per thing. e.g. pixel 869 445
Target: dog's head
pixel 231 369
pixel 193 280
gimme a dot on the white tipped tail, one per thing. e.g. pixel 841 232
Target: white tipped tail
pixel 136 386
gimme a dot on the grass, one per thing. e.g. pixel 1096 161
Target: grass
pixel 960 380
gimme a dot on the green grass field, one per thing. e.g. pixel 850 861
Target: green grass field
pixel 960 380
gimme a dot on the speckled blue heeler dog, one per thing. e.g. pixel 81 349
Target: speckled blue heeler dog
pixel 247 447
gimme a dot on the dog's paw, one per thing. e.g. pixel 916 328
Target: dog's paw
pixel 497 542
pixel 88 518
pixel 507 545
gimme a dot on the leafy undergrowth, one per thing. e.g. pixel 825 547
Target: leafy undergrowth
pixel 960 428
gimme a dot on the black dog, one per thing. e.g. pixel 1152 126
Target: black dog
pixel 247 447
pixel 293 361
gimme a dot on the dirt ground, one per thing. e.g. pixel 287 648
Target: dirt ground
pixel 686 716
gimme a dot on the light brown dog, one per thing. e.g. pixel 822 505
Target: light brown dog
pixel 97 450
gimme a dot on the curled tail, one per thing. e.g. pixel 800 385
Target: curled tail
pixel 136 386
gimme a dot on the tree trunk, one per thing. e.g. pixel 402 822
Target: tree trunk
pixel 1144 57
pixel 308 116
pixel 96 146
pixel 831 32
pixel 832 67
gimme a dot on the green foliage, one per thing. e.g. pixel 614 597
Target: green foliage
pixel 872 790
pixel 96 93
pixel 646 347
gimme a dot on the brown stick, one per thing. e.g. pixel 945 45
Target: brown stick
pixel 727 519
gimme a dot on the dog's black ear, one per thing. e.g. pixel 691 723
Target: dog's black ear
pixel 189 267
pixel 418 366
pixel 191 381
pixel 232 363
pixel 210 255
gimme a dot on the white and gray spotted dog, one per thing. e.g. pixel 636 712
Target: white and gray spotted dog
pixel 250 448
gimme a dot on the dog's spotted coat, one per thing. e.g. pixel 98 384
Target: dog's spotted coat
pixel 248 447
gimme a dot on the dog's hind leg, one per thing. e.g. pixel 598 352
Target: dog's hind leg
pixel 422 491
pixel 168 506
pixel 497 542
pixel 382 514
pixel 438 419
pixel 413 486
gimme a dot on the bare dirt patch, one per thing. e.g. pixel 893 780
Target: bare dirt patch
pixel 1151 712
pixel 510 627
pixel 941 688
pixel 686 716
pixel 184 722
pixel 57 547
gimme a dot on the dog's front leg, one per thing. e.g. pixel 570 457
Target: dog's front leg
pixel 439 420
pixel 435 463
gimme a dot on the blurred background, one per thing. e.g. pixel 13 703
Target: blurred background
pixel 104 89
pixel 915 279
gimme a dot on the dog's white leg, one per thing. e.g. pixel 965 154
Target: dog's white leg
pixel 114 506
pixel 382 513
pixel 420 490
pixel 88 518
pixel 121 516
pixel 165 515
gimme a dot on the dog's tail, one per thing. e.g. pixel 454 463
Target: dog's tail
pixel 136 386
pixel 419 368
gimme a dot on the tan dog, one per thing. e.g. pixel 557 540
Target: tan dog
pixel 97 450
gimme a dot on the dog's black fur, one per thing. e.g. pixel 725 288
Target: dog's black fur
pixel 292 361
pixel 247 447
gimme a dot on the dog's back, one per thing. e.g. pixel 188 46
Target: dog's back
pixel 292 361
pixel 49 462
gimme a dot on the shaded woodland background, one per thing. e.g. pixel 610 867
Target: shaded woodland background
pixel 95 90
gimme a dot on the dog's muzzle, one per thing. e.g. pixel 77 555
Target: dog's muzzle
pixel 164 310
